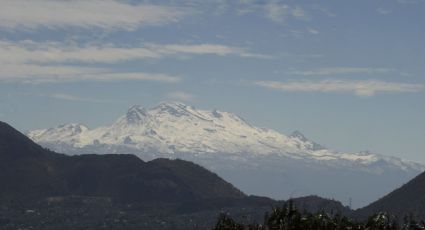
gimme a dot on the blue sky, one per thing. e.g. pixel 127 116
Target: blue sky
pixel 348 74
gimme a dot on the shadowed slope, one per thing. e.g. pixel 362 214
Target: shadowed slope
pixel 31 172
pixel 406 200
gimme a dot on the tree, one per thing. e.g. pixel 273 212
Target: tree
pixel 289 218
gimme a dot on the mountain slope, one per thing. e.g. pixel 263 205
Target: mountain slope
pixel 29 172
pixel 24 167
pixel 406 200
pixel 247 156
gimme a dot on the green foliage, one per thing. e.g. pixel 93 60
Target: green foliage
pixel 289 218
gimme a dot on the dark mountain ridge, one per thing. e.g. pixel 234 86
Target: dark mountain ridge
pixel 409 199
pixel 29 172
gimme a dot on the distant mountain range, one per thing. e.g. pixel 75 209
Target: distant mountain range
pixel 176 191
pixel 41 189
pixel 257 160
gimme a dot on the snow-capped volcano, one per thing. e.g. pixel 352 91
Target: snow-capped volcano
pixel 219 140
pixel 176 127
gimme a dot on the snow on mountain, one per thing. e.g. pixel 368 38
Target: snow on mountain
pixel 175 127
pixel 257 160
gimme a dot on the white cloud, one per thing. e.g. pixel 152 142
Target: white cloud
pixel 34 62
pixel 54 52
pixel 279 12
pixel 383 11
pixel 359 88
pixel 299 13
pixel 181 96
pixel 275 10
pixel 69 97
pixel 35 74
pixel 104 14
pixel 312 31
pixel 202 49
pixel 342 70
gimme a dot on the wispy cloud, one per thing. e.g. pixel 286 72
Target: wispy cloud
pixel 325 11
pixel 341 70
pixel 410 1
pixel 54 52
pixel 69 97
pixel 360 88
pixel 181 96
pixel 280 12
pixel 275 10
pixel 34 62
pixel 313 31
pixel 36 74
pixel 203 49
pixel 104 14
pixel 383 11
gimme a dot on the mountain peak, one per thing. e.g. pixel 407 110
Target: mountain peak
pixel 14 144
pixel 75 128
pixel 174 108
pixel 299 135
pixel 135 114
pixel 173 105
pixel 138 114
